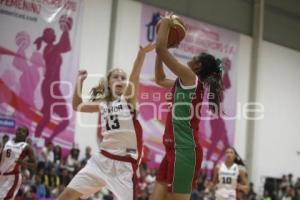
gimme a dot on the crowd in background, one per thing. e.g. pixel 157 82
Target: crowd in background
pixel 54 172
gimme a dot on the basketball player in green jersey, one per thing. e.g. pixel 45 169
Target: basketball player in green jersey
pixel 180 168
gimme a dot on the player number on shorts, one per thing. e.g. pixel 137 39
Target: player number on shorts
pixel 112 123
pixel 226 180
pixel 8 153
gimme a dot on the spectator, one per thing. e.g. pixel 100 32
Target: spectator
pixel 289 194
pixel 30 195
pixel 65 177
pixel 40 187
pixel 290 180
pixel 57 155
pixel 208 192
pixel 56 191
pixel 142 184
pixel 266 196
pixel 46 156
pixel 150 180
pixel 30 172
pixel 196 195
pixel 144 195
pixel 53 181
pixel 87 155
pixel 42 175
pixel 72 160
pixel 297 189
pixel 284 183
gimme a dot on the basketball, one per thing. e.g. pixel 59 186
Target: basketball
pixel 65 23
pixel 22 39
pixel 177 31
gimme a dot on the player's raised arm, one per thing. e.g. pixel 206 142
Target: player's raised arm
pixel 186 75
pixel 160 76
pixel 77 103
pixel 133 86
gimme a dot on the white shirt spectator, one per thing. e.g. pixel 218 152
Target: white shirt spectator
pixel 47 155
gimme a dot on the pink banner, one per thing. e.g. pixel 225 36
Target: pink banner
pixel 39 59
pixel 216 134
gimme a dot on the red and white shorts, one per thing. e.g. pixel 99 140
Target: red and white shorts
pixel 10 185
pixel 100 172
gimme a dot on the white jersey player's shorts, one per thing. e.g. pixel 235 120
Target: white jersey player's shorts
pixel 9 185
pixel 225 195
pixel 224 198
pixel 100 172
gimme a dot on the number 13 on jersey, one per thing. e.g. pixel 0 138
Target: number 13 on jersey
pixel 112 122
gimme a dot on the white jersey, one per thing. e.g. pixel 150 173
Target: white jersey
pixel 227 183
pixel 121 133
pixel 11 152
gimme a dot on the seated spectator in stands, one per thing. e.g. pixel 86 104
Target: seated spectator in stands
pixel 284 182
pixel 144 195
pixel 196 195
pixel 30 195
pixel 290 180
pixel 208 192
pixel 87 155
pixel 42 175
pixel 289 194
pixel 142 184
pixel 57 155
pixel 40 187
pixel 150 180
pixel 266 196
pixel 72 160
pixel 46 157
pixel 297 188
pixel 65 177
pixel 58 190
pixel 53 181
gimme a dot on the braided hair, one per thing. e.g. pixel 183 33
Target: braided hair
pixel 211 75
pixel 238 160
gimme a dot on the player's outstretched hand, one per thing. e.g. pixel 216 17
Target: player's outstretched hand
pixel 149 47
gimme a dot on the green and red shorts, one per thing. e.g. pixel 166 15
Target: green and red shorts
pixel 180 169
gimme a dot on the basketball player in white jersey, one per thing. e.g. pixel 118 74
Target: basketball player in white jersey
pixel 12 158
pixel 116 163
pixel 230 177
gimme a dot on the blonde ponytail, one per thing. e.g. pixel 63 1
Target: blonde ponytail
pixel 99 92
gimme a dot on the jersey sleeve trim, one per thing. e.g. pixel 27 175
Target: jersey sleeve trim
pixel 188 87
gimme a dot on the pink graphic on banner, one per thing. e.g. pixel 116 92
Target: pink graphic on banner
pixel 51 92
pixel 30 74
pixel 35 69
pixel 8 78
pixel 4 51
